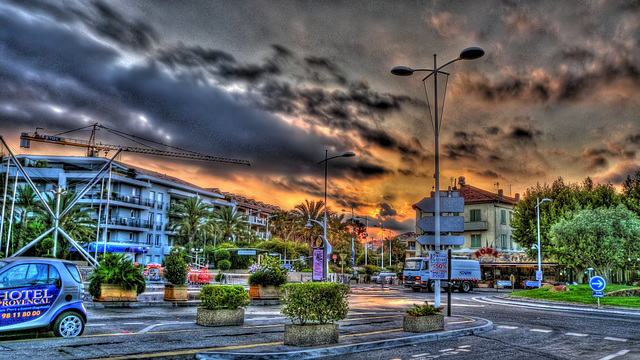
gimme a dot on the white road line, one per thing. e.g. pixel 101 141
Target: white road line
pixel 541 330
pixel 133 323
pixel 576 334
pixel 619 353
pixel 615 339
pixel 462 349
pixel 445 350
pixel 420 355
pixel 507 327
pixel 92 324
pixel 464 346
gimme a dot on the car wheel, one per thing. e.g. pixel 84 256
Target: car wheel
pixel 68 324
pixel 465 287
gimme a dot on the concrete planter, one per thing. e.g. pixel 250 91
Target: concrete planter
pixel 423 324
pixel 110 292
pixel 175 292
pixel 267 292
pixel 310 334
pixel 222 317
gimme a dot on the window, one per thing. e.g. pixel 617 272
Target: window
pixel 130 236
pixel 149 239
pixel 476 241
pixel 152 195
pixel 29 275
pixel 157 240
pixel 474 215
pixel 73 270
pixel 503 241
pixel 411 245
pixel 503 216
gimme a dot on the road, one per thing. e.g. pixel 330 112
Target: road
pixel 522 332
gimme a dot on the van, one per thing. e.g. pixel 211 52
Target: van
pixel 41 294
pixel 465 275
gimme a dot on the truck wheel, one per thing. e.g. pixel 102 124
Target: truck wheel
pixel 68 324
pixel 431 286
pixel 416 289
pixel 465 287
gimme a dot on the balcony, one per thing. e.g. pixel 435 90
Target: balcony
pixel 128 223
pixel 475 226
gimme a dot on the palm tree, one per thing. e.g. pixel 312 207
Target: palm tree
pixel 286 226
pixel 26 201
pixel 311 210
pixel 188 218
pixel 229 222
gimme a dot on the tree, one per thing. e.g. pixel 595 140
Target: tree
pixel 310 210
pixel 600 238
pixel 187 218
pixel 631 192
pixel 27 201
pixel 229 222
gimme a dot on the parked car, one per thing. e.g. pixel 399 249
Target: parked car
pixel 375 277
pixel 41 294
pixel 385 276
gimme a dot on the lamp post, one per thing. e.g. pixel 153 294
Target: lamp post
pixel 470 53
pixel 324 226
pixel 197 251
pixel 538 202
pixel 269 217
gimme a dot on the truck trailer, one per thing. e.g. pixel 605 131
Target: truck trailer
pixel 465 275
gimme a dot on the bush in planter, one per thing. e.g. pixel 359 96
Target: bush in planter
pixel 422 319
pixel 424 310
pixel 175 268
pixel 116 269
pixel 318 302
pixel 224 265
pixel 271 272
pixel 216 297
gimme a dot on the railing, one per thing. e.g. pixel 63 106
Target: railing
pixel 131 222
pixel 475 225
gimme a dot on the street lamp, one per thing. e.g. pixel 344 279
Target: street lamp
pixel 197 251
pixel 470 53
pixel 325 161
pixel 269 217
pixel 538 202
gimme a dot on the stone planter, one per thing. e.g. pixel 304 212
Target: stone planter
pixel 310 334
pixel 423 324
pixel 110 292
pixel 264 292
pixel 222 317
pixel 175 292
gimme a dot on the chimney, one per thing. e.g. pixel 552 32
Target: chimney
pixel 517 197
pixel 461 181
pixel 500 193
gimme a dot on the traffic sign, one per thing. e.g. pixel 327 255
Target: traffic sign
pixel 539 275
pixel 598 293
pixel 597 283
pixel 437 266
pixel 334 257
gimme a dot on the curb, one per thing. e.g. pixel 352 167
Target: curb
pixel 350 348
pixel 141 304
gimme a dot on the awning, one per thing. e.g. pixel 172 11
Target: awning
pixel 118 248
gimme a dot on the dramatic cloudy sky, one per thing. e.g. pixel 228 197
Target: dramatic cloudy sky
pixel 278 82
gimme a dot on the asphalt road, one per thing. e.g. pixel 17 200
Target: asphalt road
pixel 522 332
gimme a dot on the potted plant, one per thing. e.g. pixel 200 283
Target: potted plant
pixel 222 305
pixel 422 319
pixel 265 280
pixel 116 278
pixel 175 272
pixel 313 309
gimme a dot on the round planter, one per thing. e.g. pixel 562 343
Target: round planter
pixel 222 317
pixel 423 324
pixel 175 292
pixel 311 334
pixel 110 292
pixel 260 292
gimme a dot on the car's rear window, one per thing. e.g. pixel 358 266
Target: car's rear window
pixel 75 273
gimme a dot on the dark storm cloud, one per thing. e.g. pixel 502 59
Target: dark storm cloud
pixel 327 66
pixel 110 23
pixel 192 56
pixel 387 210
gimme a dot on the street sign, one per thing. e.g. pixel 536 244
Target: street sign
pixel 539 275
pixel 437 266
pixel 335 257
pixel 444 240
pixel 447 223
pixel 598 293
pixel 246 252
pixel 597 283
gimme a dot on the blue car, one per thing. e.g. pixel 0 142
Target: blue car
pixel 41 294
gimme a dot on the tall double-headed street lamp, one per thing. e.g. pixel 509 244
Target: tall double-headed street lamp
pixel 539 274
pixel 470 53
pixel 324 224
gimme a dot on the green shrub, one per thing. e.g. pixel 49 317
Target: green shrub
pixel 222 254
pixel 319 302
pixel 424 310
pixel 271 272
pixel 220 277
pixel 224 265
pixel 116 269
pixel 175 268
pixel 216 297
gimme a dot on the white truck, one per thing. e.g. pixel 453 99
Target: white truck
pixel 465 275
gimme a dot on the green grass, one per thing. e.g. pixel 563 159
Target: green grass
pixel 581 294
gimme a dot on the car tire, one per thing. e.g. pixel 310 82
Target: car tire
pixel 465 287
pixel 68 324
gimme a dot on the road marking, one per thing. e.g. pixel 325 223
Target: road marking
pixel 445 350
pixel 92 324
pixel 576 334
pixel 170 354
pixel 464 346
pixel 541 330
pixel 508 327
pixel 133 323
pixel 615 339
pixel 421 355
pixel 619 353
pixel 372 333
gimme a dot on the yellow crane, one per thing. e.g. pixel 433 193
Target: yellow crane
pixel 94 149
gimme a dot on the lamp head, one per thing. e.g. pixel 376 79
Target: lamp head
pixel 348 154
pixel 308 225
pixel 402 71
pixel 471 53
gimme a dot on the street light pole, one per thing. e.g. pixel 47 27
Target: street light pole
pixel 470 53
pixel 269 217
pixel 325 161
pixel 538 202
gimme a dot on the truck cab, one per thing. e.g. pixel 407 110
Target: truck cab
pixel 465 275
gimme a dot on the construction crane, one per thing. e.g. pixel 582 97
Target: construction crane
pixel 94 149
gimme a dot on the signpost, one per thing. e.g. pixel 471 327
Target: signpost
pixel 597 284
pixel 437 266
